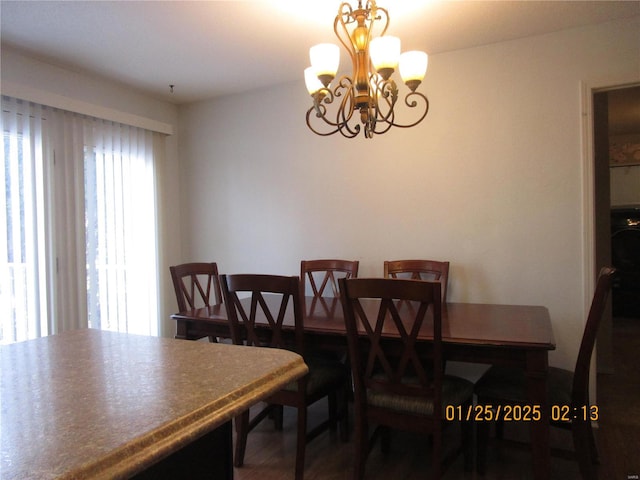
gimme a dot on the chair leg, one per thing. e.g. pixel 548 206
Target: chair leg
pixel 278 416
pixel 482 440
pixel 582 438
pixel 302 442
pixel 499 428
pixel 242 430
pixel 361 448
pixel 436 468
pixel 333 410
pixel 467 444
pixel 385 439
pixel 344 415
pixel 595 458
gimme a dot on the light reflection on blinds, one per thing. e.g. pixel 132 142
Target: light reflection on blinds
pixel 23 304
pixel 120 228
pixel 100 195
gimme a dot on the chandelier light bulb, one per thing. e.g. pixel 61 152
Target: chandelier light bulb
pixel 325 60
pixel 385 54
pixel 413 66
pixel 314 85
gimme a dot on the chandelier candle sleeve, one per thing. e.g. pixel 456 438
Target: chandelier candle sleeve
pixel 366 99
pixel 413 66
pixel 314 85
pixel 385 54
pixel 325 60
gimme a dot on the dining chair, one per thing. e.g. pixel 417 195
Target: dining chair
pixel 197 285
pixel 568 391
pixel 399 383
pixel 261 321
pixel 321 277
pixel 419 270
pixel 324 273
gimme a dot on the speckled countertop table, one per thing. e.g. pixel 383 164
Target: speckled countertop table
pixel 96 404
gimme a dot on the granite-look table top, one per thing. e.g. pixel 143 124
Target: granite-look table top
pixel 96 404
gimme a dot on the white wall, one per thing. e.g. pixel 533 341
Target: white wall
pixel 42 82
pixel 491 180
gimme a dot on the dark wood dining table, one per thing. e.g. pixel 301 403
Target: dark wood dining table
pixel 517 335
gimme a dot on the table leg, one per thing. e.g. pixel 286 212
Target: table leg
pixel 181 330
pixel 536 372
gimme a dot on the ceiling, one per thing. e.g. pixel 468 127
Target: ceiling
pixel 211 48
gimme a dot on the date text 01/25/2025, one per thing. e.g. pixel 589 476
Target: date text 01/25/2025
pixel 520 413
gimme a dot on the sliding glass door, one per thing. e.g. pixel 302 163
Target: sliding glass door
pixel 80 242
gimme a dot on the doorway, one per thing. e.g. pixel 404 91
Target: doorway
pixel 616 186
pixel 616 138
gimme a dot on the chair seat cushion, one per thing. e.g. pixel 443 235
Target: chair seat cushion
pixel 455 391
pixel 322 372
pixel 508 384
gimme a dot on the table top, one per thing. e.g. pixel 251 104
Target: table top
pixel 96 404
pixel 514 326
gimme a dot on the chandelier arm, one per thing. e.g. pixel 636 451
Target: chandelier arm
pixel 346 109
pixel 345 83
pixel 414 104
pixel 386 92
pixel 345 14
pixel 382 123
pixel 345 114
pixel 375 10
pixel 347 132
pixel 323 96
pixel 345 17
pixel 386 126
pixel 317 132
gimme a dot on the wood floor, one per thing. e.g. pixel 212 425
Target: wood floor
pixel 270 454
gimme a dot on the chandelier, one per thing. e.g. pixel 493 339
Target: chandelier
pixel 370 95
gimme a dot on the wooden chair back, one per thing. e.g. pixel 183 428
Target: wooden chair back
pixel 270 298
pixel 430 270
pixel 580 389
pixel 196 285
pixel 385 365
pixel 324 273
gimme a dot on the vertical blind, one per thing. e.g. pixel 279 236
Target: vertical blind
pixel 23 305
pixel 120 228
pixel 80 247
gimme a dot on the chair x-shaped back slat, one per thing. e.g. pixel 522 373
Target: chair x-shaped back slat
pixel 408 362
pixel 429 270
pixel 259 319
pixel 196 285
pixel 329 278
pixel 326 273
pixel 190 290
pixel 251 324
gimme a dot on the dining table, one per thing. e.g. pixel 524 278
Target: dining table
pixel 492 334
pixel 93 404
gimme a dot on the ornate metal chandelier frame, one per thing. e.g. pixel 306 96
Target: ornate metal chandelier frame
pixel 373 94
